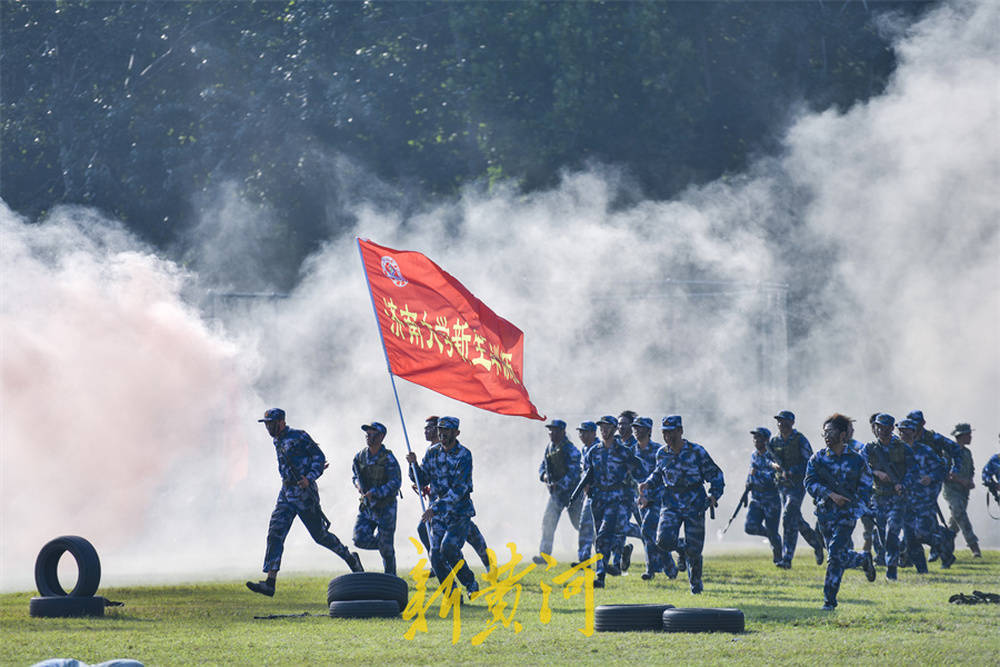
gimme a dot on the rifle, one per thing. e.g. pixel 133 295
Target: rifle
pixel 940 515
pixel 586 481
pixel 831 483
pixel 992 489
pixel 743 503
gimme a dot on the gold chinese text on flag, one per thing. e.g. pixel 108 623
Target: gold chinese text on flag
pixel 439 335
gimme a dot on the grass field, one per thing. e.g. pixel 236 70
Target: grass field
pixel 907 622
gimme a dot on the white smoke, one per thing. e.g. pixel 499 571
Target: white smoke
pixel 129 416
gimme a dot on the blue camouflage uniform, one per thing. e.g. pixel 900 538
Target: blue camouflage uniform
pixel 378 473
pixel 868 515
pixel 585 543
pixel 991 471
pixel 298 456
pixel 848 475
pixel 656 560
pixel 764 509
pixel 792 454
pixel 611 466
pixel 560 470
pixel 889 507
pixel 949 451
pixel 991 477
pixel 678 479
pixel 449 475
pixel 474 539
pixel 632 529
pixel 922 507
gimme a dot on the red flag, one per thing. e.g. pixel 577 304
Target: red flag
pixel 439 335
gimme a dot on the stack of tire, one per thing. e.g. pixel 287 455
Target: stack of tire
pixel 666 618
pixel 367 595
pixel 54 601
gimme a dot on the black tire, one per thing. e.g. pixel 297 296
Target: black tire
pixel 368 586
pixel 364 609
pixel 629 617
pixel 87 562
pixel 695 619
pixel 63 606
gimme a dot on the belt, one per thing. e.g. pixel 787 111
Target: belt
pixel 680 488
pixel 613 487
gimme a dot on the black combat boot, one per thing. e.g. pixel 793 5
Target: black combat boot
pixel 265 587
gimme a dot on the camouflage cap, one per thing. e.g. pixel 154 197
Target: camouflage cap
pixel 961 428
pixel 273 415
pixel 760 430
pixel 374 426
pixel 556 423
pixel 907 425
pixel 608 419
pixel 643 422
pixel 587 426
pixel 916 416
pixel 885 419
pixel 447 422
pixel 785 414
pixel 671 422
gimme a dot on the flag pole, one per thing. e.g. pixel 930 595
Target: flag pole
pixel 392 376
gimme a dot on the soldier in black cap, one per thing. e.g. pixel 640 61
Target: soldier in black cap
pixel 300 463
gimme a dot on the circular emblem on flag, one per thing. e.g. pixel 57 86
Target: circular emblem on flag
pixel 392 272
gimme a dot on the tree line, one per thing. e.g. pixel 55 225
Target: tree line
pixel 141 108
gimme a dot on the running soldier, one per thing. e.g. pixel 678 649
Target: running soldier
pixel 447 469
pixel 682 469
pixel 956 490
pixel 893 470
pixel 300 463
pixel 840 483
pixel 377 478
pixel 791 451
pixel 646 450
pixel 560 471
pixel 922 503
pixel 608 468
pixel 588 439
pixel 475 538
pixel 623 557
pixel 947 449
pixel 868 518
pixel 764 509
